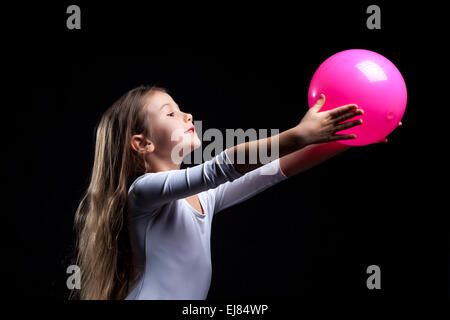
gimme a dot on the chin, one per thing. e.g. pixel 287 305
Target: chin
pixel 196 143
pixel 190 146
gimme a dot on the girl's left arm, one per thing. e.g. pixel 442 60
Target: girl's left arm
pixel 247 186
pixel 260 179
pixel 303 159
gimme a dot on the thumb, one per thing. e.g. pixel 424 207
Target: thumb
pixel 319 103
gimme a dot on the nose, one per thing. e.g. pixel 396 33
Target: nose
pixel 188 117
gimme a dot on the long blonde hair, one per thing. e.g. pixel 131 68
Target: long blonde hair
pixel 103 251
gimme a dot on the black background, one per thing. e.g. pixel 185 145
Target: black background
pixel 307 239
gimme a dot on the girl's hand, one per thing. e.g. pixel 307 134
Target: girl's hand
pixel 320 127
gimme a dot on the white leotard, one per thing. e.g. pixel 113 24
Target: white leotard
pixel 170 239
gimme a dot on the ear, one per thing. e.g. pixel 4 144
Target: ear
pixel 141 144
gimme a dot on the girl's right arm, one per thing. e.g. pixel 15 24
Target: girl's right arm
pixel 315 127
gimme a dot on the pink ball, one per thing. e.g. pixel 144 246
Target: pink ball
pixel 367 79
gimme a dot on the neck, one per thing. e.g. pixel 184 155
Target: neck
pixel 160 163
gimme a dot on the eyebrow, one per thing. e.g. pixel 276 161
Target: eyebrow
pixel 168 104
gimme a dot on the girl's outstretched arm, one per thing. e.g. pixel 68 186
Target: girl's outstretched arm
pixel 309 156
pixel 254 182
pixel 315 127
pixel 154 189
pixel 312 155
pixel 247 186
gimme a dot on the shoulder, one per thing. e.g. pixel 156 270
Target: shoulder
pixel 136 181
pixel 149 180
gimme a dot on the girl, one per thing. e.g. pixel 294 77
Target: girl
pixel 144 224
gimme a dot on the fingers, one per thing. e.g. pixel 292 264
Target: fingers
pixel 350 124
pixel 342 137
pixel 348 115
pixel 384 140
pixel 319 103
pixel 342 110
pixel 347 125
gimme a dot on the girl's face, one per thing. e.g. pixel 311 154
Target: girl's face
pixel 173 133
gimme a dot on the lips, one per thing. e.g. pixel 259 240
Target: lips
pixel 190 130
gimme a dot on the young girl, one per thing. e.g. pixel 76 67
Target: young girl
pixel 144 224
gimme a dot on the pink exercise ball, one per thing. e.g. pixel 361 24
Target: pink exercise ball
pixel 367 79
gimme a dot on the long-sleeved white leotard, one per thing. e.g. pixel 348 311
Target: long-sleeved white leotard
pixel 170 239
